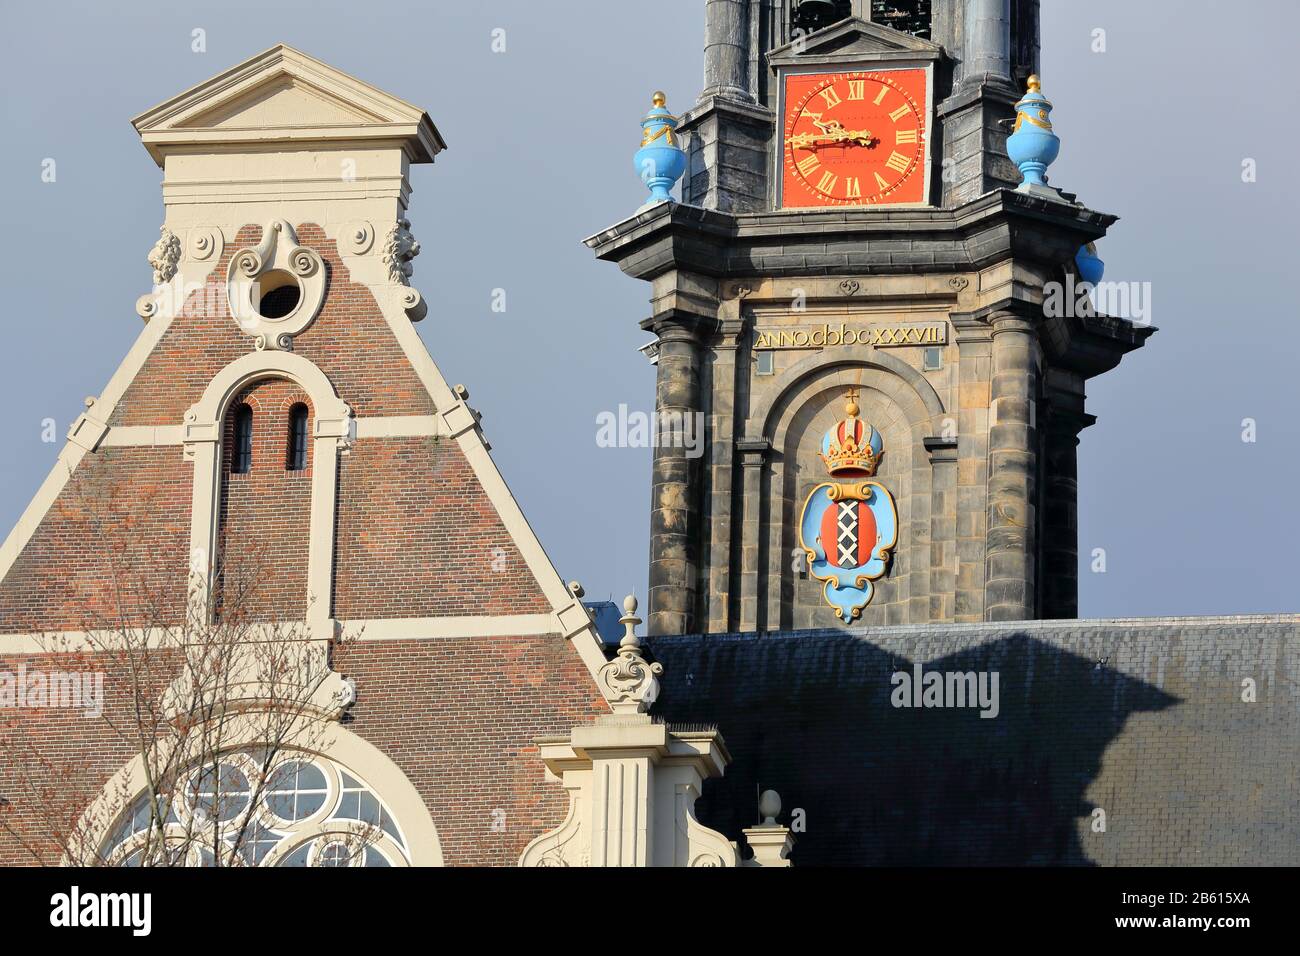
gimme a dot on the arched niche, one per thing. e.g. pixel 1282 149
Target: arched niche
pixel 809 398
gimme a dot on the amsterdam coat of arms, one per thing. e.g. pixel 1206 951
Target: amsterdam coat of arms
pixel 849 527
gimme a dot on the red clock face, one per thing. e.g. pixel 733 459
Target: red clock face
pixel 854 139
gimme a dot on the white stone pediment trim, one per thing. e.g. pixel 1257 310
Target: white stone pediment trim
pixel 207 114
pixel 853 39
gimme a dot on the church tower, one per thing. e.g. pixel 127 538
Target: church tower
pixel 857 273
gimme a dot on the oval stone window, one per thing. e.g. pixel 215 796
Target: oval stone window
pixel 279 294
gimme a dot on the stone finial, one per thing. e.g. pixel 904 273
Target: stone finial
pixel 1033 145
pixel 660 161
pixel 770 841
pixel 630 682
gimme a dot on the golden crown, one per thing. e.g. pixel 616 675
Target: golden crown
pixel 852 446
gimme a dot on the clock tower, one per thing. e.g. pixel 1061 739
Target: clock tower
pixel 851 299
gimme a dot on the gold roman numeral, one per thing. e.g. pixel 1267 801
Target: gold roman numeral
pixel 808 164
pixel 899 113
pixel 827 182
pixel 905 136
pixel 897 162
pixel 852 189
pixel 881 183
pixel 857 89
pixel 881 95
pixel 830 96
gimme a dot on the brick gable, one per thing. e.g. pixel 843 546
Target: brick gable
pixel 349 341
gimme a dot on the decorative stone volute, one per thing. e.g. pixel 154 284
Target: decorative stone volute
pixel 630 682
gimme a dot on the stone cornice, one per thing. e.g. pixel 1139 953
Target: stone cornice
pixel 999 225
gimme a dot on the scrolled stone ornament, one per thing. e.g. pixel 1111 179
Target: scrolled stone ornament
pixel 275 289
pixel 248 263
pixel 304 262
pixel 205 242
pixel 358 237
pixel 413 304
pixel 629 681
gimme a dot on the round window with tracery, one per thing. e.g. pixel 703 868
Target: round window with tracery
pixel 247 809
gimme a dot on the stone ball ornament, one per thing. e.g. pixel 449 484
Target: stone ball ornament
pixel 660 161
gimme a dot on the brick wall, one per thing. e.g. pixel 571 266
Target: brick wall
pixel 1142 719
pixel 55 761
pixel 417 537
pixel 113 545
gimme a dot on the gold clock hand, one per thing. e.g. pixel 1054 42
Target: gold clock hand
pixel 838 137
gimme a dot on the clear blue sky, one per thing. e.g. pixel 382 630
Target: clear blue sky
pixel 1193 520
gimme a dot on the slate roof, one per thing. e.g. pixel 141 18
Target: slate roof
pixel 808 714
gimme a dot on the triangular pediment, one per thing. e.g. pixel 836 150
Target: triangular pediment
pixel 285 94
pixel 283 102
pixel 854 39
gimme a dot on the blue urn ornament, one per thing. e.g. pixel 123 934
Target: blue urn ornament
pixel 1091 268
pixel 659 161
pixel 1032 145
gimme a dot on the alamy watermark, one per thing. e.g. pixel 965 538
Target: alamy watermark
pixel 662 429
pixel 921 688
pixel 75 690
pixel 133 911
pixel 1120 300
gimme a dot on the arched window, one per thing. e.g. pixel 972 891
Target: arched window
pixel 292 809
pixel 297 460
pixel 243 452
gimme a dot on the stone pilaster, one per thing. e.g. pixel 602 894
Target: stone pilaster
pixel 942 453
pixel 1010 587
pixel 975 368
pixel 1060 523
pixel 675 479
pixel 727 366
pixel 753 457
